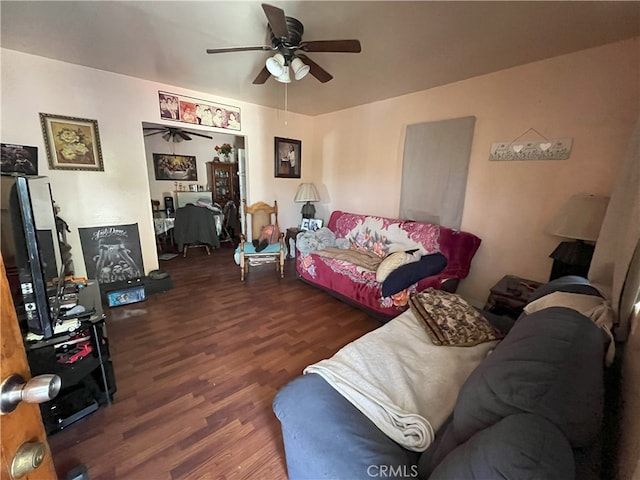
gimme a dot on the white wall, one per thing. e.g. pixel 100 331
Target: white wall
pixel 121 194
pixel 355 156
pixel 591 96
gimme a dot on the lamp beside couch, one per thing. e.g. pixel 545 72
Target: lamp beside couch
pixel 307 193
pixel 579 219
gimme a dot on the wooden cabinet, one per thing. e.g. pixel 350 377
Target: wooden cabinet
pixel 224 182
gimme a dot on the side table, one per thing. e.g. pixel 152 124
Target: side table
pixel 292 233
pixel 510 295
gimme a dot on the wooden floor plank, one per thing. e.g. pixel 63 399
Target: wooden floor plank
pixel 197 368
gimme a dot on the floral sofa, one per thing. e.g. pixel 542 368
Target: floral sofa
pixel 446 256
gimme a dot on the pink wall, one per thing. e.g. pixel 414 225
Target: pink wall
pixel 591 96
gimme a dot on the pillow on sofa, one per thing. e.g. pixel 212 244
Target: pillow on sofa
pixel 395 260
pixel 406 275
pixel 449 320
pixel 551 364
pixel 518 446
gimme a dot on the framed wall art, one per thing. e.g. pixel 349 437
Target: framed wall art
pixel 288 158
pixel 198 112
pixel 175 167
pixel 19 159
pixel 71 143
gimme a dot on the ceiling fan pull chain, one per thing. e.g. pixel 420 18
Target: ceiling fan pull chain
pixel 286 103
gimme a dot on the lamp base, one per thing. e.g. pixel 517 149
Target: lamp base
pixel 571 258
pixel 308 210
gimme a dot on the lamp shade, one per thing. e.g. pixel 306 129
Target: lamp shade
pixel 285 77
pixel 300 69
pixel 307 193
pixel 580 218
pixel 275 65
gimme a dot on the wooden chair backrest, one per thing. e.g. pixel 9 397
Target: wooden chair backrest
pixel 261 215
pixel 155 207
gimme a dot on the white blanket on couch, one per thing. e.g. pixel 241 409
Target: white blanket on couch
pixel 400 380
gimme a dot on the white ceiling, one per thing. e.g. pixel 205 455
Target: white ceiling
pixel 406 46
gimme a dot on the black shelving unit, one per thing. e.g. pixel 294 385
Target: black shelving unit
pixel 88 383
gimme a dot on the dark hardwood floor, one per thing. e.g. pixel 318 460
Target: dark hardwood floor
pixel 197 368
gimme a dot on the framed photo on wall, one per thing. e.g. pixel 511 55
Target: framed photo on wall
pixel 19 159
pixel 288 158
pixel 72 143
pixel 175 167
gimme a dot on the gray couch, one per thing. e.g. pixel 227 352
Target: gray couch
pixel 533 408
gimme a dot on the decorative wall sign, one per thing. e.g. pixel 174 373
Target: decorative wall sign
pixel 198 112
pixel 72 143
pixel 19 159
pixel 112 254
pixel 553 149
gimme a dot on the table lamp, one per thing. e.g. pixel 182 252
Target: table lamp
pixel 579 219
pixel 307 193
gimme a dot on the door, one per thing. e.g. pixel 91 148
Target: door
pixel 24 424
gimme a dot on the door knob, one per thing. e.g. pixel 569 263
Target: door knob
pixel 39 389
pixel 28 457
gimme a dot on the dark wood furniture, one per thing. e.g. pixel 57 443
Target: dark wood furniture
pixel 224 182
pixel 510 295
pixel 89 382
pixel 292 233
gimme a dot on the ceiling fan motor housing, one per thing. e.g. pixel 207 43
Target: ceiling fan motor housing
pixel 287 46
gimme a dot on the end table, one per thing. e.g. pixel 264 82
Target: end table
pixel 292 233
pixel 510 295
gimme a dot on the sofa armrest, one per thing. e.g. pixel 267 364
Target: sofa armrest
pixel 326 437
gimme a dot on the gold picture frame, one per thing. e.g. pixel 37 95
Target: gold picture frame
pixel 72 143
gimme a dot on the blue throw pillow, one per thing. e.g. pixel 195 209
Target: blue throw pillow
pixel 406 275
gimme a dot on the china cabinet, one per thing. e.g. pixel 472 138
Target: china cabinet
pixel 224 182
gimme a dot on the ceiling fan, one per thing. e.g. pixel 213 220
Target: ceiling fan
pixel 172 133
pixel 286 40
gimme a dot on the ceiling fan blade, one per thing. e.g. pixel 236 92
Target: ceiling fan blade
pixel 182 135
pixel 277 20
pixel 200 135
pixel 153 133
pixel 240 49
pixel 316 70
pixel 262 77
pixel 344 46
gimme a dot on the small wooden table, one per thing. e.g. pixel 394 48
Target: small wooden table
pixel 510 295
pixel 292 233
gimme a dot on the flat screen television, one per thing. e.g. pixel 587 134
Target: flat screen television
pixel 31 251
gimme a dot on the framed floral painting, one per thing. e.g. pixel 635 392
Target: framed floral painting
pixel 71 143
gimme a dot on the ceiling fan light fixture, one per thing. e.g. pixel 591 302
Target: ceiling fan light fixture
pixel 276 65
pixel 166 136
pixel 300 69
pixel 284 77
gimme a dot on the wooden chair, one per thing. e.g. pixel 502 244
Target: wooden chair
pixel 255 217
pixel 155 207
